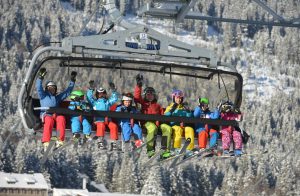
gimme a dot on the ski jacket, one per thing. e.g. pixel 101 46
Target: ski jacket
pixel 148 107
pixel 101 104
pixel 199 113
pixel 123 108
pixel 179 111
pixel 78 105
pixel 230 116
pixel 49 100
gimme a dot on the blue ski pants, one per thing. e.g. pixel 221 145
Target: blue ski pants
pixel 127 131
pixel 76 125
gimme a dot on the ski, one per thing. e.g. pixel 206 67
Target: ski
pixel 242 156
pixel 56 150
pixel 182 151
pixel 194 155
pixel 137 151
pixel 46 154
pixel 162 161
pixel 147 164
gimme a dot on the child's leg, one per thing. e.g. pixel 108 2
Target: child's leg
pixel 213 137
pixel 189 133
pixel 86 127
pixel 202 138
pixel 61 127
pixel 126 131
pixel 137 131
pixel 100 132
pixel 226 139
pixel 151 132
pixel 113 130
pixel 167 131
pixel 177 136
pixel 237 138
pixel 75 124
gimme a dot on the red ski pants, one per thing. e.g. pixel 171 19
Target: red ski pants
pixel 203 137
pixel 113 128
pixel 49 124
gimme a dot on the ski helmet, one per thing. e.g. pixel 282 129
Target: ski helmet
pixel 76 94
pixel 203 100
pixel 227 106
pixel 101 91
pixel 177 93
pixel 150 90
pixel 51 83
pixel 127 97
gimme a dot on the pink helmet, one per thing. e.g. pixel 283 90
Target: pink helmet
pixel 177 93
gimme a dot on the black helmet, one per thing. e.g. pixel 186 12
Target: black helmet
pixel 150 90
pixel 227 106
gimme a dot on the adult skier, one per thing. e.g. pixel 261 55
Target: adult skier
pixel 128 125
pixel 49 98
pixel 149 105
pixel 103 103
pixel 204 130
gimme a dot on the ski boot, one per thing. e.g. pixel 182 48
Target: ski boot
pixel 114 146
pixel 188 153
pixel 226 153
pixel 101 144
pixel 238 152
pixel 59 144
pixel 138 143
pixel 87 138
pixel 166 154
pixel 45 146
pixel 150 153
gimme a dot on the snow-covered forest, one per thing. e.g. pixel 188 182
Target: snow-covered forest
pixel 268 58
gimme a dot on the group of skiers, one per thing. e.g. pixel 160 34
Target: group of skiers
pixel 97 99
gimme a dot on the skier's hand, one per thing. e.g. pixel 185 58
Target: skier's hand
pixel 139 80
pixel 73 76
pixel 186 106
pixel 91 84
pixel 112 86
pixel 174 106
pixel 42 73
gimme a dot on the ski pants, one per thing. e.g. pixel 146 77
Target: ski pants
pixel 152 131
pixel 166 131
pixel 227 135
pixel 203 137
pixel 49 121
pixel 113 129
pixel 188 133
pixel 76 122
pixel 127 129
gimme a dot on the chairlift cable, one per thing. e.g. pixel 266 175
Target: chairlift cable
pixel 225 88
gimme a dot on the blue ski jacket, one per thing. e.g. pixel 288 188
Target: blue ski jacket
pixel 49 100
pixel 199 113
pixel 101 104
pixel 123 108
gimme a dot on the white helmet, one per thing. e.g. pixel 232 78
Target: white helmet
pixel 50 83
pixel 127 97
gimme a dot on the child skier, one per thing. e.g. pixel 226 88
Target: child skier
pixel 128 125
pixel 150 106
pixel 229 113
pixel 102 103
pixel 203 131
pixel 78 103
pixel 178 109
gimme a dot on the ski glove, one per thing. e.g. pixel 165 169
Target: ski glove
pixel 112 86
pixel 139 80
pixel 91 84
pixel 174 106
pixel 73 76
pixel 42 73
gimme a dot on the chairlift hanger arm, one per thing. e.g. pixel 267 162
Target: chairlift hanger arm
pixel 146 117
